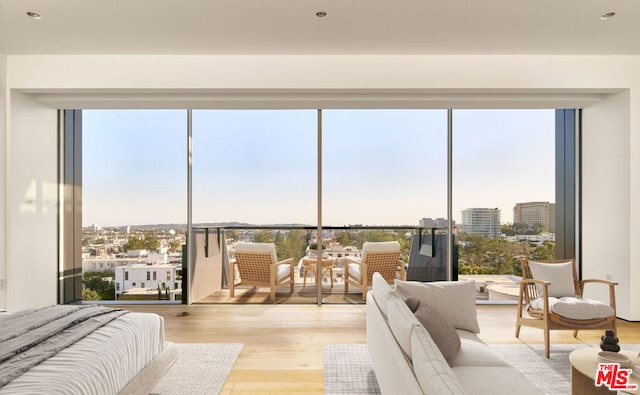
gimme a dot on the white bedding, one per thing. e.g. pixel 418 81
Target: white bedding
pixel 101 363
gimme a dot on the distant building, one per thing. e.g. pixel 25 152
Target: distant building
pixel 434 223
pixel 532 213
pixel 95 228
pixel 483 221
pixel 339 251
pixel 137 253
pixel 142 275
pixel 124 229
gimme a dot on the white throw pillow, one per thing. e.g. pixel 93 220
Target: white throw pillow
pixel 456 300
pixel 560 275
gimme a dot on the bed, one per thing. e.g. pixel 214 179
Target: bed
pixel 127 354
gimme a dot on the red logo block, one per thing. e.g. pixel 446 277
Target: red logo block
pixel 614 377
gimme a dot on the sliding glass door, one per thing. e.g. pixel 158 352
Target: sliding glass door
pixel 253 176
pixel 254 180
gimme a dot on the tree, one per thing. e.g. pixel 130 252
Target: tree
pixel 537 229
pixel 263 236
pixel 480 255
pixel 175 246
pixel 134 243
pixel 231 235
pixel 88 294
pixel 344 239
pixel 545 251
pixel 151 243
pixel 148 242
pixel 95 281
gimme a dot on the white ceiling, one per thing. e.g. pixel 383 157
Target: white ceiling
pixel 291 27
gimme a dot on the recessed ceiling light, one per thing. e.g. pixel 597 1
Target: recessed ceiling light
pixel 321 14
pixel 608 15
pixel 33 15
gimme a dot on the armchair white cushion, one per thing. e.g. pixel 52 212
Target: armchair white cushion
pixel 575 308
pixel 257 247
pixel 379 246
pixel 257 265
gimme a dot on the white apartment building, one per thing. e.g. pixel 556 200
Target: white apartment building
pixel 483 221
pixel 339 251
pixel 147 276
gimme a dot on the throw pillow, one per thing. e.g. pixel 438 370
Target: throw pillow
pixel 560 275
pixel 456 300
pixel 440 329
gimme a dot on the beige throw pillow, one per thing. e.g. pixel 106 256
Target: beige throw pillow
pixel 440 329
pixel 456 300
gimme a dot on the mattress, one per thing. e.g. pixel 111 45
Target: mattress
pixel 100 363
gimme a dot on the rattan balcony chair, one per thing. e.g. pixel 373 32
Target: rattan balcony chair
pixel 552 295
pixel 257 266
pixel 381 257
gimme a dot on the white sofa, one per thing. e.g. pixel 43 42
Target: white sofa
pixel 407 360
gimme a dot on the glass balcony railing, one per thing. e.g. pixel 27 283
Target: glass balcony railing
pixel 112 273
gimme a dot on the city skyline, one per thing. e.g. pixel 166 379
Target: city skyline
pixel 380 167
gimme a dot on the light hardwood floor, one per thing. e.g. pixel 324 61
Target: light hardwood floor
pixel 283 344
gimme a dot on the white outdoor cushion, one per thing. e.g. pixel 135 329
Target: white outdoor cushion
pixel 560 275
pixel 380 246
pixel 354 271
pixel 575 308
pixel 456 300
pixel 401 322
pixel 282 271
pixel 256 247
pixel 381 291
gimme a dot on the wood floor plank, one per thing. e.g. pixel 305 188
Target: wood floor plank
pixel 284 344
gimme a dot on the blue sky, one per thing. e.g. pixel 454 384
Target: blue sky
pixel 380 167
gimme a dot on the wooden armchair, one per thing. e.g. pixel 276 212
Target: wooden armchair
pixel 257 265
pixel 381 257
pixel 552 295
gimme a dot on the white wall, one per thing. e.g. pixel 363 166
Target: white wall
pixel 32 254
pixel 606 184
pixel 3 178
pixel 606 86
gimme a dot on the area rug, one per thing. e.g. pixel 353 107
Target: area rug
pixel 201 369
pixel 552 375
pixel 348 371
pixel 347 367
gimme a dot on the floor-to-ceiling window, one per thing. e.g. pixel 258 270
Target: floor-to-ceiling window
pixel 385 176
pixel 255 176
pixel 503 194
pixel 133 203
